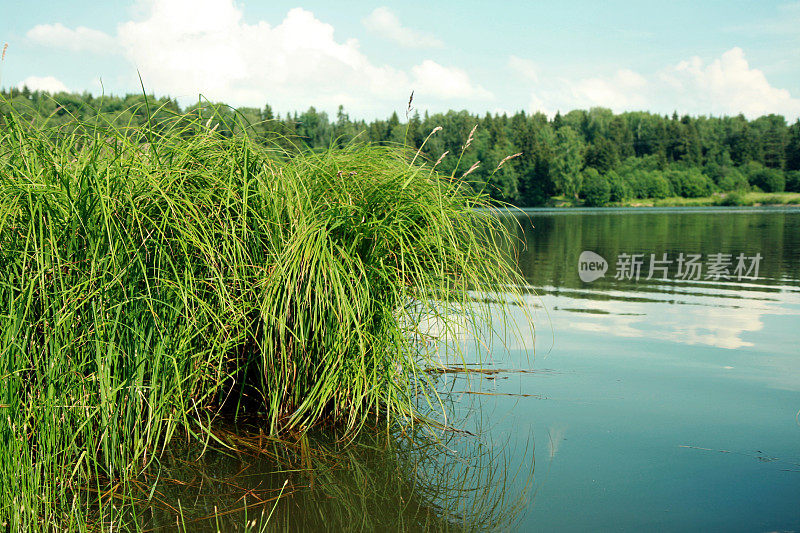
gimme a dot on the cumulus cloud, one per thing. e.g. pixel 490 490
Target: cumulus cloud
pixel 43 83
pixel 81 39
pixel 186 47
pixel 624 90
pixel 727 85
pixel 383 21
pixel 214 52
pixel 446 82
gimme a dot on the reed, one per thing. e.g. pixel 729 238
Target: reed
pixel 155 280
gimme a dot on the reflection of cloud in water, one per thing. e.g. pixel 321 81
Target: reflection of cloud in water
pixel 714 318
pixel 711 326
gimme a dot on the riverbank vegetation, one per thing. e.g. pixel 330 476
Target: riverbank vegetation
pixel 636 155
pixel 166 273
pixel 728 199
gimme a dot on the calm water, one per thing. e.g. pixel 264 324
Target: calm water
pixel 667 404
pixel 660 404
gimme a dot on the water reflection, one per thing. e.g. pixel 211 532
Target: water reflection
pixel 719 313
pixel 398 480
pixel 716 319
pixel 664 397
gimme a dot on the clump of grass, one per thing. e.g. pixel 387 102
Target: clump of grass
pixel 156 279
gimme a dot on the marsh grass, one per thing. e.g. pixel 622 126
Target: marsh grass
pixel 156 280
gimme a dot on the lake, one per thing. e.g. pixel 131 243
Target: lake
pixel 668 403
pixel 662 395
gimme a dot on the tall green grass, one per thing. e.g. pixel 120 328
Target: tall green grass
pixel 154 280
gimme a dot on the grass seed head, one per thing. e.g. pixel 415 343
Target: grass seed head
pixel 470 137
pixel 507 158
pixel 471 169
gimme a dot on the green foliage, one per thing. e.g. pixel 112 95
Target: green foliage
pixel 619 189
pixel 751 170
pixel 690 183
pixel 793 181
pixel 641 164
pixel 735 198
pixel 727 178
pixel 650 184
pixel 773 136
pixel 766 179
pixel 568 163
pixel 725 149
pixel 156 279
pixel 596 191
pixel 770 180
pixel 793 147
pixel 601 155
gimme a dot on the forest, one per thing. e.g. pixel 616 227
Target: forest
pixel 581 157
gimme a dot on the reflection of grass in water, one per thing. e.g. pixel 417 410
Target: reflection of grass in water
pixel 378 481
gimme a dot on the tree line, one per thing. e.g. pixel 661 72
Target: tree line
pixel 595 156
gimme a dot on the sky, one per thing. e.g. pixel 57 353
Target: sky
pixel 701 58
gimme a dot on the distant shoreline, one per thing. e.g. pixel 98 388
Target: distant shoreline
pixel 744 199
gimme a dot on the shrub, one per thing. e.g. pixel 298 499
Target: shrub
pixel 651 185
pixel 714 172
pixel 793 181
pixel 696 184
pixel 689 183
pixel 769 180
pixel 634 165
pixel 596 190
pixel 766 179
pixel 732 179
pixel 750 169
pixel 618 188
pixel 675 179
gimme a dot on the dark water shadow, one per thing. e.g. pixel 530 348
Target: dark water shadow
pixel 396 479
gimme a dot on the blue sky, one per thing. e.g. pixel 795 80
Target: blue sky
pixel 712 59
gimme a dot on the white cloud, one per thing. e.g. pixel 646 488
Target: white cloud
pixel 624 90
pixel 446 82
pixel 43 83
pixel 524 67
pixel 727 85
pixel 186 47
pixel 216 53
pixel 81 39
pixel 536 104
pixel 386 23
